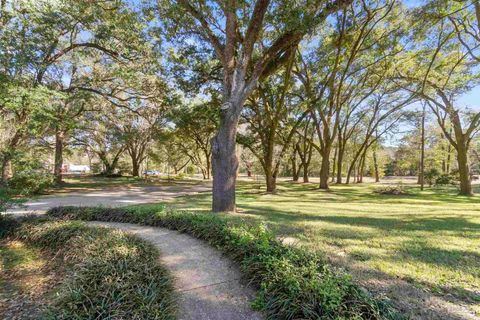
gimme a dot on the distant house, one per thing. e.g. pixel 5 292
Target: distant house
pixel 75 168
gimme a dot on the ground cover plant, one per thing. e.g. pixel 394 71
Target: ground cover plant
pixel 27 276
pixel 108 274
pixel 427 238
pixel 291 283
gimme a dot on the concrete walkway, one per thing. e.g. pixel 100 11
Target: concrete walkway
pixel 207 282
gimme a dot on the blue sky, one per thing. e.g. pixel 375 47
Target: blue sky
pixel 471 99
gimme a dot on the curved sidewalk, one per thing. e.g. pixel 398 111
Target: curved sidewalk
pixel 207 282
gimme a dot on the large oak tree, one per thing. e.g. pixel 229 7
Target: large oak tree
pixel 251 39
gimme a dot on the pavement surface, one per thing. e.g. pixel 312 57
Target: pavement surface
pixel 208 284
pixel 110 197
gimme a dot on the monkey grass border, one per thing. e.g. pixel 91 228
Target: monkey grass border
pixel 108 273
pixel 292 283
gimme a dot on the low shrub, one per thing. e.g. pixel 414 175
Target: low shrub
pixel 31 182
pixel 292 283
pixel 392 190
pixel 110 274
pixel 445 179
pixel 431 175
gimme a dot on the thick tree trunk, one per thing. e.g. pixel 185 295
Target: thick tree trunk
pixel 109 166
pixel 270 176
pixel 305 174
pixel 57 171
pixel 225 163
pixel 271 180
pixel 464 171
pixel 135 167
pixel 325 168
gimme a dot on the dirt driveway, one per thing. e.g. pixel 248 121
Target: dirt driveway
pixel 111 197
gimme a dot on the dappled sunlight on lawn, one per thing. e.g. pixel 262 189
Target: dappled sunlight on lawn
pixel 429 238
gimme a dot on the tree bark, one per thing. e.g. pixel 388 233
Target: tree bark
pixel 375 166
pixel 341 151
pixel 421 176
pixel 464 171
pixel 361 168
pixel 59 140
pixel 271 180
pixel 325 168
pixel 334 162
pixel 225 162
pixel 449 156
pixel 208 159
pixel 305 175
pixel 306 164
pixel 135 167
pixel 295 170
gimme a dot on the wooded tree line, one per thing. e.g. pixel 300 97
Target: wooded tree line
pixel 338 89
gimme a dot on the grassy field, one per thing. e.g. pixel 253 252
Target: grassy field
pixel 430 239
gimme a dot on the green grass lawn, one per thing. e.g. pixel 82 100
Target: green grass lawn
pixel 429 238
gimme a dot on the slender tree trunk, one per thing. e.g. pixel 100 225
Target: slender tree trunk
pixel 421 176
pixel 444 162
pixel 59 140
pixel 209 165
pixel 341 152
pixel 449 158
pixel 334 164
pixel 349 173
pixel 352 174
pixel 375 166
pixel 361 170
pixel 295 170
pixel 325 168
pixel 306 158
pixel 225 162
